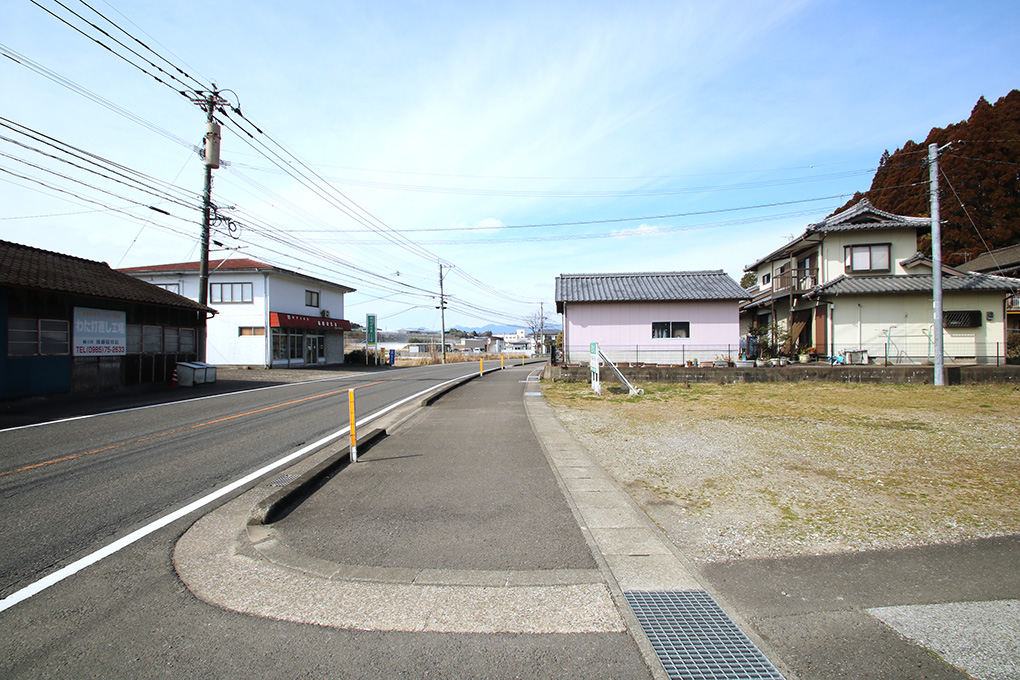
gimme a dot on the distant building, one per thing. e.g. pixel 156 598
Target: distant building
pixel 266 315
pixel 75 325
pixel 480 345
pixel 1001 262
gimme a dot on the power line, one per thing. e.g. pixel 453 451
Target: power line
pixel 144 46
pixel 24 61
pixel 187 89
pixel 622 193
pixel 119 174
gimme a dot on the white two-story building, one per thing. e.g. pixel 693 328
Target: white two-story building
pixel 266 315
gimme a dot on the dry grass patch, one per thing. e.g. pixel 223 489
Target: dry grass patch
pixel 764 470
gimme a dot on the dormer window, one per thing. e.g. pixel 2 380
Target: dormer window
pixel 867 258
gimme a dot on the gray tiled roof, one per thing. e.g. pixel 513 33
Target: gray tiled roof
pixel 646 287
pixel 862 216
pixel 26 267
pixel 913 283
pixel 1006 258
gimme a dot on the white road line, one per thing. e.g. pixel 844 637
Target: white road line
pixel 121 543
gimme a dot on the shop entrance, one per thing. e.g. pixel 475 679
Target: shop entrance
pixel 312 345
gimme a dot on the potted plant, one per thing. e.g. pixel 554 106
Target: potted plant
pixel 805 354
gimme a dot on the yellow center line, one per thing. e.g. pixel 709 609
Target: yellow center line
pixel 160 435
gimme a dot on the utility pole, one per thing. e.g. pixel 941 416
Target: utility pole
pixel 442 313
pixel 208 103
pixel 936 262
pixel 541 324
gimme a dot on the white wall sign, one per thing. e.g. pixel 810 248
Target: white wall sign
pixel 99 332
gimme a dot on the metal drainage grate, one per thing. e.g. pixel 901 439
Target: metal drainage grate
pixel 695 639
pixel 282 480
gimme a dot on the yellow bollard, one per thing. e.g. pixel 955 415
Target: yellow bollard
pixel 354 438
pixel 501 366
pixel 481 370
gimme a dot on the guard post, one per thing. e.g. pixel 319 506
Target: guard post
pixel 354 437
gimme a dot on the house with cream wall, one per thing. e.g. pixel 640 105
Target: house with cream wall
pixel 266 315
pixel 856 283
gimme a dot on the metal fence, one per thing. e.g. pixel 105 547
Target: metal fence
pixel 917 350
pixel 643 354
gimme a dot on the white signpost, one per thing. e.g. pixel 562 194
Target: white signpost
pixel 371 336
pixel 597 357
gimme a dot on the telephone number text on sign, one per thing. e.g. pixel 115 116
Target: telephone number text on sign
pixel 99 349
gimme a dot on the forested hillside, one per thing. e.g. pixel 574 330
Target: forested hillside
pixel 980 170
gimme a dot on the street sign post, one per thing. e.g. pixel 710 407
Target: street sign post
pixel 371 339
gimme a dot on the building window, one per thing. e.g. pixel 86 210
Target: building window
pixel 134 339
pixel 38 337
pixel 160 340
pixel 187 340
pixel 966 319
pixel 870 258
pixel 251 330
pixel 171 340
pixel 671 329
pixel 172 287
pixel 230 293
pixel 766 279
pixel 152 339
pixel 311 298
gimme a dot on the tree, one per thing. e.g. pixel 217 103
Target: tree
pixel 979 186
pixel 748 279
pixel 535 323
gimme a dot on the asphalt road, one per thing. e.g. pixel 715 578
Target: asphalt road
pixel 72 486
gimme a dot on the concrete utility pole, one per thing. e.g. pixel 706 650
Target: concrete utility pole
pixel 541 324
pixel 212 160
pixel 442 313
pixel 936 262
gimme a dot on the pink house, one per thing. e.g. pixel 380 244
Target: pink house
pixel 658 318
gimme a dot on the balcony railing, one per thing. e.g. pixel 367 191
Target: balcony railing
pixel 1013 304
pixel 795 280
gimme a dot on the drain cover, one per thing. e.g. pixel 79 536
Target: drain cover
pixel 695 639
pixel 282 480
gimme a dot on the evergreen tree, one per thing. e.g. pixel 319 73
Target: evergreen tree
pixel 980 171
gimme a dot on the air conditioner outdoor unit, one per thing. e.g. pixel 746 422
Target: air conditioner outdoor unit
pixel 325 313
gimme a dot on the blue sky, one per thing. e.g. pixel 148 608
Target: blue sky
pixel 459 125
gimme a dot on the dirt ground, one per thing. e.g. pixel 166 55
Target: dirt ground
pixel 769 470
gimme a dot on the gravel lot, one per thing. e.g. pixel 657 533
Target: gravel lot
pixel 770 470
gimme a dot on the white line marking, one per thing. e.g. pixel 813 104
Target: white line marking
pixel 121 543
